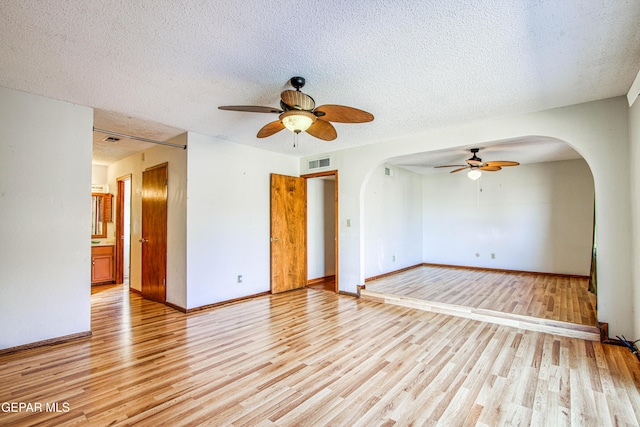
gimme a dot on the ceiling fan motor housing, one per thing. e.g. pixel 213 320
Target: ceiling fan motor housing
pixel 298 113
pixel 297 82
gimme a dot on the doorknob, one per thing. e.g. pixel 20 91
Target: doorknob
pixel 143 240
pixel 274 239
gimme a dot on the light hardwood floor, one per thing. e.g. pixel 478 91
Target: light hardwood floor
pixel 540 302
pixel 316 358
pixel 545 296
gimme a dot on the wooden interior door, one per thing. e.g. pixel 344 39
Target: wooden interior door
pixel 288 233
pixel 154 232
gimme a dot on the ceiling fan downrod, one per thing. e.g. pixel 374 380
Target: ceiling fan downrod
pixel 474 160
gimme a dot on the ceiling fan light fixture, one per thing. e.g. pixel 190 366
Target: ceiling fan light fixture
pixel 474 174
pixel 297 120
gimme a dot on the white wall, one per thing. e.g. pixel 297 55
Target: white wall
pixel 45 206
pixel 536 217
pixel 393 220
pixel 597 130
pixel 321 222
pixel 228 218
pixel 176 213
pixel 634 142
pixel 99 174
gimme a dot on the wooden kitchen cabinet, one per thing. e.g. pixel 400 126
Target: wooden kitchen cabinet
pixel 102 264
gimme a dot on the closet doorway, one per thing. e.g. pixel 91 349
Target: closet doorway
pixel 322 231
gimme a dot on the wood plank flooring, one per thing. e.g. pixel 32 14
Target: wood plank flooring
pixel 308 358
pixel 539 302
pixel 544 296
pixel 324 284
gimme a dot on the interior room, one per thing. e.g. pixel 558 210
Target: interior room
pixel 319 214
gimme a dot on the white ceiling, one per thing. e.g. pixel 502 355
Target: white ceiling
pixel 525 150
pixel 414 65
pixel 107 152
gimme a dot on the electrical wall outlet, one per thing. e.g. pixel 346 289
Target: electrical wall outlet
pixel 393 258
pixel 493 256
pixel 240 278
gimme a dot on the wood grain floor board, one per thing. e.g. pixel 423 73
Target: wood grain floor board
pixel 316 358
pixel 538 302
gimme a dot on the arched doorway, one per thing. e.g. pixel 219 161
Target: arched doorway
pixel 535 218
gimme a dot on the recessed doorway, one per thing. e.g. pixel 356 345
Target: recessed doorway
pixel 123 230
pixel 322 231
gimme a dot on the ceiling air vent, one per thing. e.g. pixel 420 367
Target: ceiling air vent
pixel 111 139
pixel 320 163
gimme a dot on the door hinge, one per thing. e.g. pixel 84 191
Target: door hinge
pixel 164 282
pixel 165 181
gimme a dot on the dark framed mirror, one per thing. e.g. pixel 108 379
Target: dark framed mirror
pixel 98 217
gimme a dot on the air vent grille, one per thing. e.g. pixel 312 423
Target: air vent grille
pixel 111 139
pixel 320 163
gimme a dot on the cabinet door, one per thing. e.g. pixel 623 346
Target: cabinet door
pixel 102 269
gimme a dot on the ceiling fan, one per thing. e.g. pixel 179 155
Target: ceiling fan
pixel 298 113
pixel 475 164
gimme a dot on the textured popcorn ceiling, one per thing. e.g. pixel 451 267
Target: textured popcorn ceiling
pixel 107 152
pixel 415 65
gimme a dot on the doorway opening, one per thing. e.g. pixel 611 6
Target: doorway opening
pixel 123 230
pixel 322 231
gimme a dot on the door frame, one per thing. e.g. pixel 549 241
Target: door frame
pixel 120 226
pixel 337 222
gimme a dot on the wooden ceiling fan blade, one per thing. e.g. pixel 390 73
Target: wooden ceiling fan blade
pixel 502 163
pixel 251 109
pixel 450 166
pixel 490 168
pixel 342 114
pixel 297 100
pixel 458 170
pixel 270 129
pixel 323 130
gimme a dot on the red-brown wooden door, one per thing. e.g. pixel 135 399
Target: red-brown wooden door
pixel 288 233
pixel 154 232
